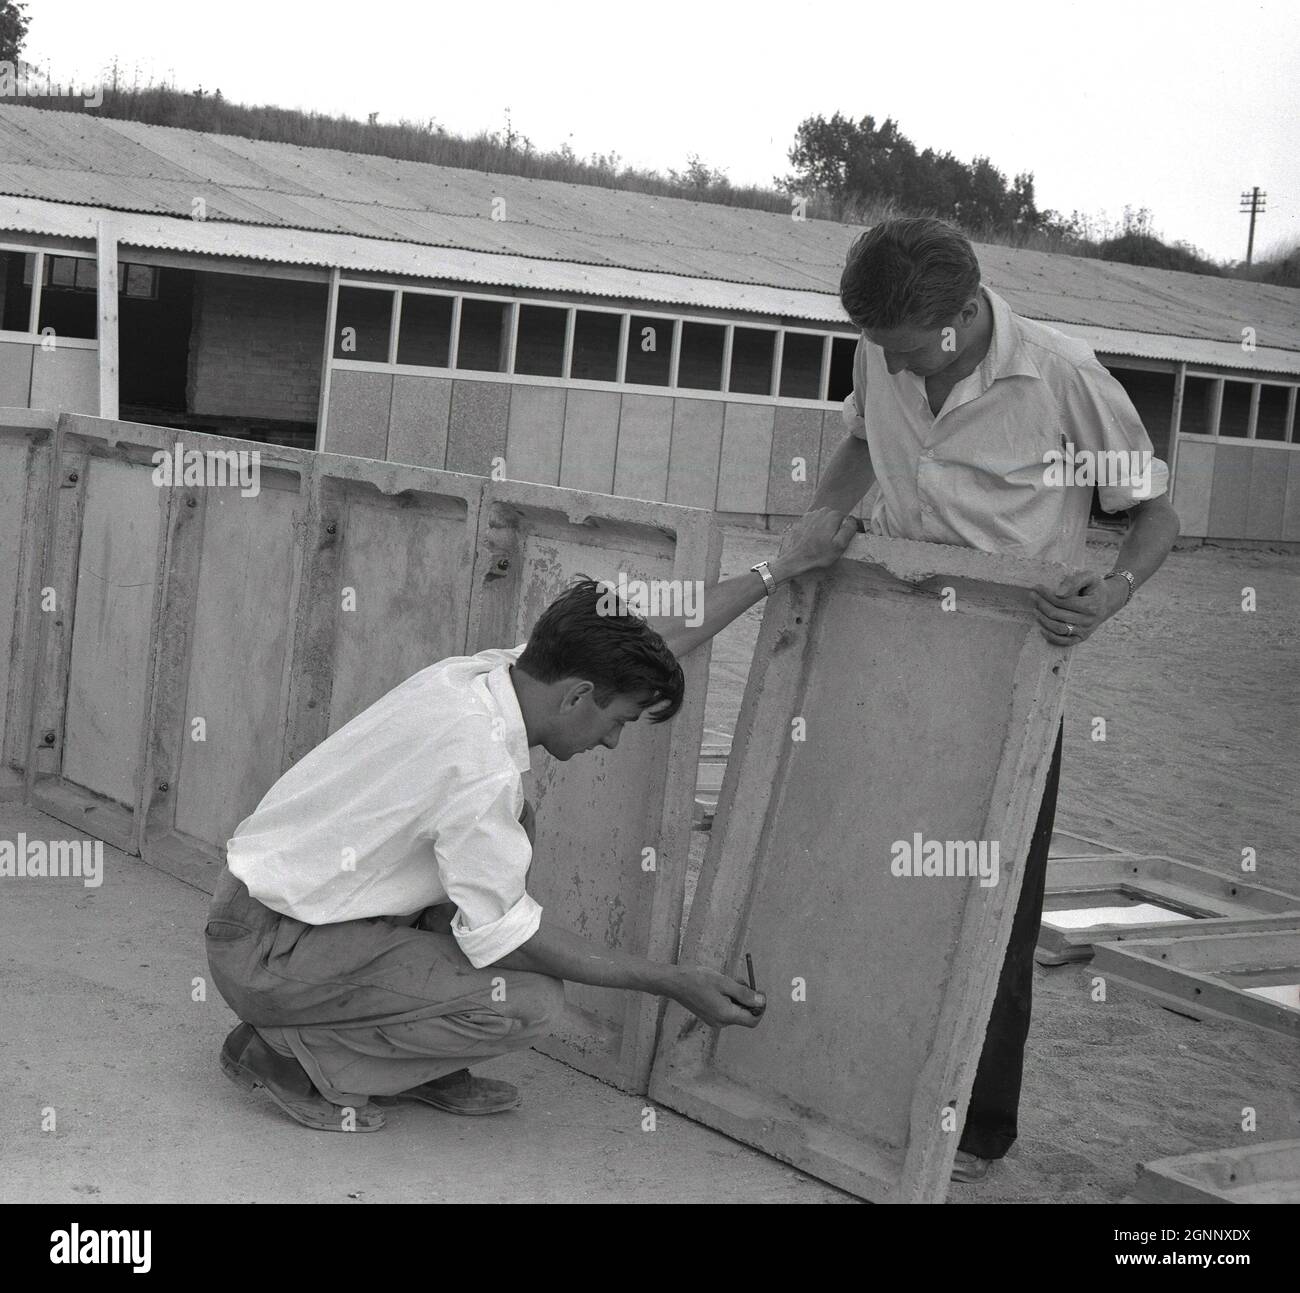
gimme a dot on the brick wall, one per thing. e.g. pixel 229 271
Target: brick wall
pixel 255 349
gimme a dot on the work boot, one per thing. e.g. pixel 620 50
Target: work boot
pixel 250 1063
pixel 968 1168
pixel 462 1092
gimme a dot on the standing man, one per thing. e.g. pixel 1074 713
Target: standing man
pixel 373 929
pixel 967 425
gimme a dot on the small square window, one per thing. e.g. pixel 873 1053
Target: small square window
pixel 539 345
pixel 61 271
pixel 649 350
pixel 752 352
pixel 362 324
pixel 801 366
pixel 843 349
pixel 699 366
pixel 424 331
pixel 140 281
pixel 483 336
pixel 595 346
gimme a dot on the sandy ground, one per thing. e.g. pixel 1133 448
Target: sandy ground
pixel 98 1021
pixel 1202 714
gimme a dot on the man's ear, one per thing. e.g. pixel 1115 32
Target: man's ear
pixel 574 693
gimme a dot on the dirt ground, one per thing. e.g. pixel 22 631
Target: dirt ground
pixel 1199 762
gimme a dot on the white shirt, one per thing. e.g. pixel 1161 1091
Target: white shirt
pixel 414 802
pixel 975 474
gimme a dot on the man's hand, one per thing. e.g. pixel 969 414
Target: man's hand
pixel 816 539
pixel 716 998
pixel 1077 607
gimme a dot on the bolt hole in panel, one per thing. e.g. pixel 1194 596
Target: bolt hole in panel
pixel 915 720
pixel 599 812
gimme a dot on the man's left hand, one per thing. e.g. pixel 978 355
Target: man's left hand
pixel 1077 607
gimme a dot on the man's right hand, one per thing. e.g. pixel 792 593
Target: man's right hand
pixel 717 998
pixel 817 539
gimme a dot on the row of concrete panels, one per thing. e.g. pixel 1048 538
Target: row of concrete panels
pixel 715 454
pixel 198 639
pixel 1238 490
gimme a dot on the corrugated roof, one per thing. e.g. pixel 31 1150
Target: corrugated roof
pixel 653 244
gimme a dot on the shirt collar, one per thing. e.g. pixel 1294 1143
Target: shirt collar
pixel 1007 356
pixel 502 691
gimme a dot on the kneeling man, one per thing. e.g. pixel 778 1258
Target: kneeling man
pixel 373 930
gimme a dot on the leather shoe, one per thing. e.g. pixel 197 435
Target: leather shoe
pixel 461 1092
pixel 251 1064
pixel 969 1167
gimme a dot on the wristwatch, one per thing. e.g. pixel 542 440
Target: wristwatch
pixel 762 569
pixel 1127 576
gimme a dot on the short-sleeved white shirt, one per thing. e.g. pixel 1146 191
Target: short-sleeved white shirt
pixel 976 474
pixel 413 803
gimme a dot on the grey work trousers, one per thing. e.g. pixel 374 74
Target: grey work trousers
pixel 369 1007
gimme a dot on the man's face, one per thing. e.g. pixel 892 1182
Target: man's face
pixel 583 725
pixel 925 351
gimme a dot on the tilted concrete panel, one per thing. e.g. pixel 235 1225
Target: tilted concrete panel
pixel 599 813
pixel 902 702
pixel 390 560
pixel 106 564
pixel 26 480
pixel 224 663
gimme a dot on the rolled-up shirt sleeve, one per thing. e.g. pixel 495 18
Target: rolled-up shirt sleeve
pixel 1100 417
pixel 483 857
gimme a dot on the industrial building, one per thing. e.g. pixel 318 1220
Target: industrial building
pixel 562 334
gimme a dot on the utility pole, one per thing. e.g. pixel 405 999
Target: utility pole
pixel 1254 203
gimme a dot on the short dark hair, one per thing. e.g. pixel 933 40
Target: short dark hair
pixel 915 272
pixel 588 632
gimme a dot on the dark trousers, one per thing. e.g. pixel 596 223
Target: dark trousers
pixel 990 1128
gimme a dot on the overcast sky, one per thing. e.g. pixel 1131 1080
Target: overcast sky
pixel 1174 105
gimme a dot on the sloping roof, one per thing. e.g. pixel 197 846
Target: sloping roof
pixel 80 160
